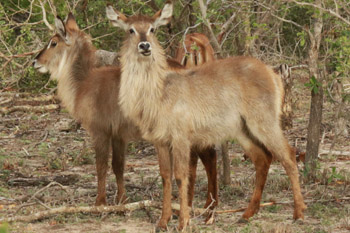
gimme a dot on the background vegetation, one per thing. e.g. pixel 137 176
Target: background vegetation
pixel 275 31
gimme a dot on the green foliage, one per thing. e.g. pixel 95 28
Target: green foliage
pixel 302 37
pixel 22 32
pixel 4 228
pixel 334 175
pixel 313 84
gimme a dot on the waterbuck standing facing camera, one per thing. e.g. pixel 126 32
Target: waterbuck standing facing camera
pixel 237 97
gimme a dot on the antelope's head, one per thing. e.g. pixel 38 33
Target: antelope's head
pixel 140 29
pixel 54 57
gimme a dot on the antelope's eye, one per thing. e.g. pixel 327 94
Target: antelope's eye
pixel 53 43
pixel 152 30
pixel 131 31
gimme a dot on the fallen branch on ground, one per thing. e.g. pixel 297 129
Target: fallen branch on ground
pixel 333 152
pixel 81 209
pixel 201 211
pixel 29 108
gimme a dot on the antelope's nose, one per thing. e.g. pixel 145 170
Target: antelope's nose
pixel 33 62
pixel 145 46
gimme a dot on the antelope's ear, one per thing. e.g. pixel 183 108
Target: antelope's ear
pixel 71 24
pixel 61 29
pixel 117 18
pixel 163 16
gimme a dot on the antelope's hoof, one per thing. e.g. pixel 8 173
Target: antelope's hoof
pixel 160 229
pixel 183 223
pixel 210 219
pixel 299 221
pixel 100 201
pixel 299 213
pixel 162 225
pixel 122 200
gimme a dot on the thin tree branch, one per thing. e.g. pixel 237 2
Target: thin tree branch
pixel 44 16
pixel 212 36
pixel 335 14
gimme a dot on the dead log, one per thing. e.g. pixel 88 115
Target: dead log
pixel 82 209
pixel 29 108
pixel 333 152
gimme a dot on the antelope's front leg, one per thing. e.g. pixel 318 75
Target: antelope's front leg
pixel 181 154
pixel 101 145
pixel 165 167
pixel 118 164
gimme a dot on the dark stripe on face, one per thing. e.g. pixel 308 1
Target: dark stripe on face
pixel 143 37
pixel 39 54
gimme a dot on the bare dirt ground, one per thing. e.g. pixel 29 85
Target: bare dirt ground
pixel 38 148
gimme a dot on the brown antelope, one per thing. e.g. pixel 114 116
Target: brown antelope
pixel 237 97
pixel 91 96
pixel 197 51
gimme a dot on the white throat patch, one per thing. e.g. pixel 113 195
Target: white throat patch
pixel 62 67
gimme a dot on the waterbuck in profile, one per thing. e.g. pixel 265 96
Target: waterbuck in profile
pixel 91 96
pixel 237 97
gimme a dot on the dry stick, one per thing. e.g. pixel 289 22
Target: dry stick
pixel 44 17
pixel 225 27
pixel 203 8
pixel 343 153
pixel 281 203
pixel 206 209
pixel 82 209
pixel 244 208
pixel 48 186
pixel 335 14
pixel 184 36
pixel 46 134
pixel 29 108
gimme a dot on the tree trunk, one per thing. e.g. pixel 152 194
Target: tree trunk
pixel 314 128
pixel 314 131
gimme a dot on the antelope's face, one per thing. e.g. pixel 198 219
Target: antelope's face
pixel 53 57
pixel 140 29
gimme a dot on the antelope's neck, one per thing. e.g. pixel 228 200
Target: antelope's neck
pixel 73 69
pixel 142 88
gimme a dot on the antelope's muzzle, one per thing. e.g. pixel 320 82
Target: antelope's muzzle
pixel 36 64
pixel 144 48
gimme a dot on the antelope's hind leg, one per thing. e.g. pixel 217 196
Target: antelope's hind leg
pixel 118 164
pixel 208 157
pixel 192 175
pixel 277 144
pixel 261 160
